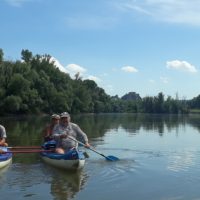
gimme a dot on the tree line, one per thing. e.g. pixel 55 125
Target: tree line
pixel 34 85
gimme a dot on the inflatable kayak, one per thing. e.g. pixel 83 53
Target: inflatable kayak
pixel 5 157
pixel 72 160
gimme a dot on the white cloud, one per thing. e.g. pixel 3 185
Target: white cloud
pixel 55 62
pixel 181 65
pixel 17 3
pixel 129 69
pixel 58 65
pixel 94 78
pixel 74 68
pixel 173 11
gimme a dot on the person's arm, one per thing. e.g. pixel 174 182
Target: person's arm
pixel 81 134
pixel 56 134
pixel 46 131
pixel 2 141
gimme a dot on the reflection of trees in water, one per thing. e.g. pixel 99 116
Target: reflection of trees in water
pixel 28 130
pixel 156 122
pixel 97 125
pixel 65 184
pixel 26 158
pixel 25 176
pixel 3 175
pixel 166 123
pixel 33 179
pixel 24 130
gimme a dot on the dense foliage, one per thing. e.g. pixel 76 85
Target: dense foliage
pixel 36 85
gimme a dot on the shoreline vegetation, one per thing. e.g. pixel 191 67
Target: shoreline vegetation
pixel 194 111
pixel 34 85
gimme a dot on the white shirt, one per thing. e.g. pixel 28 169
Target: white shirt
pixel 72 130
pixel 2 132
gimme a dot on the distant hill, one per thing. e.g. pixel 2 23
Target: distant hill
pixel 131 96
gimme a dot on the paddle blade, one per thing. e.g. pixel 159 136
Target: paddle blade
pixel 111 158
pixel 86 154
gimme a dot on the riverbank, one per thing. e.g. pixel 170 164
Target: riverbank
pixel 194 111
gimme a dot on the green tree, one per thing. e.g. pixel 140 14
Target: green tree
pixel 18 85
pixel 6 73
pixel 59 103
pixel 26 55
pixel 148 104
pixel 12 104
pixel 159 103
pixel 1 56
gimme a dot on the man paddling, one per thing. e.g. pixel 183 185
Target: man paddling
pixel 3 136
pixel 65 129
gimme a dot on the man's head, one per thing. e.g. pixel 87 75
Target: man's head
pixel 64 118
pixel 55 118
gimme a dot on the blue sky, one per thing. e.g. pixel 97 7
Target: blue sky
pixel 144 46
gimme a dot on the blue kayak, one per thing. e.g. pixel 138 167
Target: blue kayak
pixel 5 157
pixel 72 160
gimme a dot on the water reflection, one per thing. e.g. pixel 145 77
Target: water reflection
pixel 3 174
pixel 65 184
pixel 98 125
pixel 179 161
pixel 30 128
pixel 39 181
pixel 153 149
pixel 24 130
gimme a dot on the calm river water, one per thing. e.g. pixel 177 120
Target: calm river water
pixel 159 160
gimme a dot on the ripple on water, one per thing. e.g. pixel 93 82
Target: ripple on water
pixel 26 175
pixel 182 161
pixel 112 171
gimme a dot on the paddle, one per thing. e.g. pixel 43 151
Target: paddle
pixel 109 158
pixel 26 151
pixel 47 145
pixel 25 147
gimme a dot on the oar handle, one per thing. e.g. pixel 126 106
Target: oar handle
pixel 25 147
pixel 25 151
pixel 86 146
pixel 110 158
pixel 33 151
pixel 72 138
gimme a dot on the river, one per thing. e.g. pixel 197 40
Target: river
pixel 159 160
